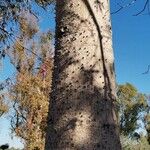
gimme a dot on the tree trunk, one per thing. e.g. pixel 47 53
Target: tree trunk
pixel 81 112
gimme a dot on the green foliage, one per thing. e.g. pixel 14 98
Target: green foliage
pixel 146 121
pixel 131 106
pixel 131 144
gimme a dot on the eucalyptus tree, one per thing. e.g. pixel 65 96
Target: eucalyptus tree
pixel 82 106
pixel 31 55
pixel 132 107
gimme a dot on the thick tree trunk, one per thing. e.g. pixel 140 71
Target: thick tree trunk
pixel 81 113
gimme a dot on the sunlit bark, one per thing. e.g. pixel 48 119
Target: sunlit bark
pixel 81 113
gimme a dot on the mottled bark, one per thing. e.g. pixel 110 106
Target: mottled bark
pixel 81 113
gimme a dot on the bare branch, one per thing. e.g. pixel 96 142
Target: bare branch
pixel 148 70
pixel 3 30
pixel 125 6
pixel 146 5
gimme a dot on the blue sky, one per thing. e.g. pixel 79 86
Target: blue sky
pixel 131 42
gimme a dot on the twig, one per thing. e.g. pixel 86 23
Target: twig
pixel 146 4
pixel 148 69
pixel 125 6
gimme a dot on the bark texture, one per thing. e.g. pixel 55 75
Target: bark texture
pixel 81 112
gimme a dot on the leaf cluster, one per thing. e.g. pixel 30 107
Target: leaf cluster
pixel 131 107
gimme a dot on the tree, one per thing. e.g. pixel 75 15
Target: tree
pixel 81 110
pixel 10 11
pixel 31 56
pixel 131 144
pixel 146 121
pixel 132 107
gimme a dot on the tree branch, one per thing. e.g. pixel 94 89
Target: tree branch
pixel 124 6
pixel 145 5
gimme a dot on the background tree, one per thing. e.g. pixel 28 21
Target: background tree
pixel 146 121
pixel 31 55
pixel 10 12
pixel 132 108
pixel 132 144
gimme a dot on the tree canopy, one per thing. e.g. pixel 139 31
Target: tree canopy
pixel 132 107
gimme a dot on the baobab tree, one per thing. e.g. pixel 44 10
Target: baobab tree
pixel 82 105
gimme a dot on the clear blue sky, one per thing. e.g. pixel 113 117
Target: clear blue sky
pixel 131 41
